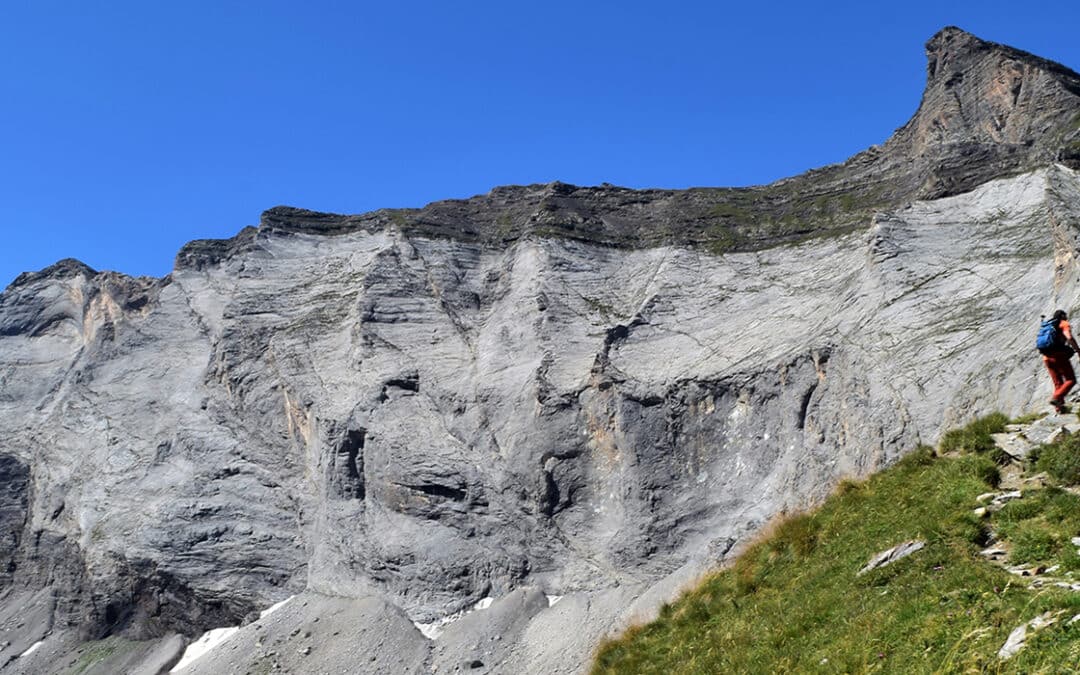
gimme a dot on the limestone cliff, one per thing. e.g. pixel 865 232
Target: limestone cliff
pixel 589 394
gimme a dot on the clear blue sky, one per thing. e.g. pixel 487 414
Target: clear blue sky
pixel 128 128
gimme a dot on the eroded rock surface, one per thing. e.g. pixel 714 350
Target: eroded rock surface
pixel 398 420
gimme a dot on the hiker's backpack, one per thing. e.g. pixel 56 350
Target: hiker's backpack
pixel 1049 340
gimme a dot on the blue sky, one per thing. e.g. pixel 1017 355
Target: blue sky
pixel 129 128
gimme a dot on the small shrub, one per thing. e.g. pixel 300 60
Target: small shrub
pixel 921 456
pixel 848 486
pixel 1061 459
pixel 1029 418
pixel 746 577
pixel 1032 543
pixel 962 527
pixel 1033 456
pixel 1018 510
pixel 976 436
pixel 798 533
pixel 1070 559
pixel 982 469
pixel 1059 506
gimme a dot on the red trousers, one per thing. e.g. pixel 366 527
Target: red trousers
pixel 1061 372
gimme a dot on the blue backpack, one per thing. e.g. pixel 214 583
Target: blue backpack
pixel 1049 340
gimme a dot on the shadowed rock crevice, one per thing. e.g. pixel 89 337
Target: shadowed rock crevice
pixel 141 602
pixel 347 468
pixel 14 500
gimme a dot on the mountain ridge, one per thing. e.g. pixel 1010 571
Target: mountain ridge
pixel 943 149
pixel 831 198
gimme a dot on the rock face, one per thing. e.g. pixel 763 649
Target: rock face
pixel 544 391
pixel 988 111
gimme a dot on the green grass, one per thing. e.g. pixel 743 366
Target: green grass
pixel 1029 418
pixel 398 217
pixel 93 655
pixel 975 437
pixel 1040 526
pixel 1061 459
pixel 792 603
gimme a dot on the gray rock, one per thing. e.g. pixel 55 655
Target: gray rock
pixel 63 652
pixel 1018 637
pixel 1006 497
pixel 987 111
pixel 889 556
pixel 335 633
pixel 473 637
pixel 26 618
pixel 1050 428
pixel 1015 444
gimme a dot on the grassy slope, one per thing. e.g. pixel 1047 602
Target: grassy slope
pixel 793 603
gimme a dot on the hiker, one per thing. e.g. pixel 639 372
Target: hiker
pixel 1057 345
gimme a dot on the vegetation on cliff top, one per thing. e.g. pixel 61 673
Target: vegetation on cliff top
pixel 794 603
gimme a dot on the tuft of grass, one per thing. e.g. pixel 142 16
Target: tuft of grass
pixel 1061 459
pixel 1070 559
pixel 922 455
pixel 1040 525
pixel 797 534
pixel 976 436
pixel 988 472
pixel 1034 542
pixel 96 656
pixel 792 603
pixel 1029 418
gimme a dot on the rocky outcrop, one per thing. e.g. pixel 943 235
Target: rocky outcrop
pixel 891 555
pixel 545 392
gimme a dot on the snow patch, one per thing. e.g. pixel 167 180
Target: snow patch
pixel 204 644
pixel 433 629
pixel 273 608
pixel 552 599
pixel 215 637
pixel 33 648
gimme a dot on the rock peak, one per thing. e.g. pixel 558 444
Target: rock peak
pixel 953 50
pixel 64 269
pixel 987 110
pixel 948 45
pixel 952 34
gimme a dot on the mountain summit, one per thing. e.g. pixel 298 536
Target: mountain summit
pixel 988 110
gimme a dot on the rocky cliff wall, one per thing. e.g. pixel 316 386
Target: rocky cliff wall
pixel 435 422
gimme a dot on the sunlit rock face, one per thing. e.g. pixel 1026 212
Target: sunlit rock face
pixel 535 396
